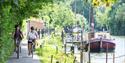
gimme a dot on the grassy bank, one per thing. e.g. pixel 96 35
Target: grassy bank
pixel 52 51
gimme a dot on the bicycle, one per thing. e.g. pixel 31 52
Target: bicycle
pixel 32 47
pixel 18 47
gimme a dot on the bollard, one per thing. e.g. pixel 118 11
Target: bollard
pixel 51 58
pixel 56 49
pixel 65 48
pixel 57 61
pixel 72 49
pixel 106 52
pixel 74 60
pixel 113 57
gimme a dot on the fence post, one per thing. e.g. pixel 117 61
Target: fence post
pixel 74 60
pixel 106 52
pixel 65 48
pixel 72 49
pixel 56 49
pixel 113 57
pixel 51 58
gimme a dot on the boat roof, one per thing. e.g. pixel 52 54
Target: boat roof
pixel 104 40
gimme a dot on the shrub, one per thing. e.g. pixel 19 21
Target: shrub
pixel 49 49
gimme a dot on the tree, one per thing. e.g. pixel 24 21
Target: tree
pixel 102 9
pixel 57 15
pixel 117 22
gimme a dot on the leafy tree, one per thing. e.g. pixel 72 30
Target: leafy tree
pixel 118 20
pixel 101 11
pixel 57 15
pixel 82 21
pixel 81 7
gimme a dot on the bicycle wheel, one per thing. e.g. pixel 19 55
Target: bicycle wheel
pixel 18 52
pixel 17 48
pixel 20 49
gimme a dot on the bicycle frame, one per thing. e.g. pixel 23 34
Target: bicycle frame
pixel 33 45
pixel 18 48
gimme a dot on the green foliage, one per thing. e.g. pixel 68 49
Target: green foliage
pixel 81 7
pixel 6 28
pixel 118 20
pixel 101 12
pixel 57 15
pixel 82 21
pixel 53 46
pixel 101 17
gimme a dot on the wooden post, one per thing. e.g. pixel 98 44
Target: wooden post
pixel 92 20
pixel 62 36
pixel 113 57
pixel 74 60
pixel 51 58
pixel 106 52
pixel 89 54
pixel 72 49
pixel 81 57
pixel 56 49
pixel 81 52
pixel 65 48
pixel 89 57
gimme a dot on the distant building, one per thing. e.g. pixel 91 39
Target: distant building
pixel 36 23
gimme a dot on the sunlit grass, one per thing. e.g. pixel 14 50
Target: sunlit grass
pixel 53 47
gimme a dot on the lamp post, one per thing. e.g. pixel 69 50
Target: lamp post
pixel 28 25
pixel 82 45
pixel 91 21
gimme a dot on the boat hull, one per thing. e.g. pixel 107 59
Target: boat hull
pixel 97 45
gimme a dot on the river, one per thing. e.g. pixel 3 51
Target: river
pixel 119 53
pixel 101 57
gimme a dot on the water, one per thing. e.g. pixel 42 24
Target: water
pixel 119 53
pixel 101 57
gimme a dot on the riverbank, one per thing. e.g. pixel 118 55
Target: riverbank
pixel 52 51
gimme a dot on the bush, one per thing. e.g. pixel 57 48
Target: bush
pixel 50 49
pixel 6 29
pixel 6 44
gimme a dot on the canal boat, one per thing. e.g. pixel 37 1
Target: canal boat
pixel 101 44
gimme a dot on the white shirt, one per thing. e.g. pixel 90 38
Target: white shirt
pixel 32 35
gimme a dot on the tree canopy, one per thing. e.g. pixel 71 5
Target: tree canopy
pixel 117 20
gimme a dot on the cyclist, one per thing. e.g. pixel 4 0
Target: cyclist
pixel 18 35
pixel 32 36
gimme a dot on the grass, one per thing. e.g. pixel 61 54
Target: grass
pixel 52 49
